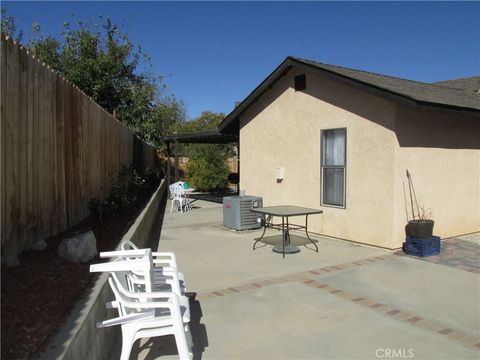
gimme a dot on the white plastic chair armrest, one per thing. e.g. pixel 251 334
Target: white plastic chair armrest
pixel 164 262
pixel 172 303
pixel 165 257
pixel 124 253
pixel 112 304
pixel 163 253
pixel 167 269
pixel 125 319
pixel 161 270
pixel 173 281
pixel 112 266
pixel 167 295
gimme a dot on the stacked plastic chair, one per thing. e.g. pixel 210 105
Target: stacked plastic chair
pixel 149 297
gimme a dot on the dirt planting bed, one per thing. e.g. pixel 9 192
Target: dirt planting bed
pixel 39 294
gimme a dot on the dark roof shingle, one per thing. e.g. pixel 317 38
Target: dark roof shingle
pixel 411 93
pixel 471 84
pixel 431 94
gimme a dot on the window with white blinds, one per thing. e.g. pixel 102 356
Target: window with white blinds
pixel 334 147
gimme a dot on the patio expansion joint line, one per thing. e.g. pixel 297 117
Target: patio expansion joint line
pixel 397 314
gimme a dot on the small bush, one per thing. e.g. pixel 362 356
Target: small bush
pixel 122 192
pixel 152 177
pixel 206 169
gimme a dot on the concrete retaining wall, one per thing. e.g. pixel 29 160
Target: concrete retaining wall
pixel 80 339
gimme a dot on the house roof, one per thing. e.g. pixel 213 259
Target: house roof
pixel 471 84
pixel 437 96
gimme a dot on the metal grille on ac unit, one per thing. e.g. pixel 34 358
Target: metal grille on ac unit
pixel 237 214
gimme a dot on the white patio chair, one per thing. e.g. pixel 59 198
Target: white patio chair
pixel 143 313
pixel 179 202
pixel 163 257
pixel 140 277
pixel 155 314
pixel 160 260
pixel 165 277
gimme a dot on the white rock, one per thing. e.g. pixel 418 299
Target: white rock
pixel 79 248
pixel 39 245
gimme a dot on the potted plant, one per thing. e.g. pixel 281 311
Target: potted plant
pixel 419 230
pixel 421 225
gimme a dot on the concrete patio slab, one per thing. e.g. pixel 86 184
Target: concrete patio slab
pixel 345 302
pixel 471 237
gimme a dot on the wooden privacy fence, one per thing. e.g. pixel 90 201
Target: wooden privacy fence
pixel 59 149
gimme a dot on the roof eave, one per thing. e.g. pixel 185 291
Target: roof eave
pixel 386 94
pixel 280 71
pixel 289 62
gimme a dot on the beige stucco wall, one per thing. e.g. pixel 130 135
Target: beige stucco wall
pixel 282 129
pixel 285 132
pixel 443 154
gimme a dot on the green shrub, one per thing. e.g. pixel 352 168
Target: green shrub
pixel 122 192
pixel 206 169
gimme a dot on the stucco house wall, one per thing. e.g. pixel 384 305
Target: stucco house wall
pixel 283 129
pixel 442 152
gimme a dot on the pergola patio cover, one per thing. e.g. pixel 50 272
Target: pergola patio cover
pixel 202 137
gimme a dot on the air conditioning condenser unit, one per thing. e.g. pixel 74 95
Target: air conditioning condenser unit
pixel 237 214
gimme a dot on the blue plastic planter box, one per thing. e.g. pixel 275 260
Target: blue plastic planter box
pixel 422 247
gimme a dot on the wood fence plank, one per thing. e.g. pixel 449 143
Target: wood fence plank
pixel 11 170
pixel 46 152
pixel 98 152
pixel 52 154
pixel 61 152
pixel 70 161
pixel 83 154
pixel 42 228
pixel 22 151
pixel 37 235
pixel 29 148
pixel 67 110
pixel 103 177
pixel 3 140
pixel 75 157
pixel 92 189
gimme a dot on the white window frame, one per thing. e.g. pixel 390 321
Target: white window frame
pixel 323 167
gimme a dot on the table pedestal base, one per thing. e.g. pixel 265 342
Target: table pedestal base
pixel 289 249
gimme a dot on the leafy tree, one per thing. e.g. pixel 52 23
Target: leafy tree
pixel 206 168
pixel 8 26
pixel 208 120
pixel 104 63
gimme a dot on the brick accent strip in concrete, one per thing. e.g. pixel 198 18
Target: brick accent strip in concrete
pixel 399 314
pixel 305 278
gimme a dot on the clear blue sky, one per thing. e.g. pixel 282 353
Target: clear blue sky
pixel 216 53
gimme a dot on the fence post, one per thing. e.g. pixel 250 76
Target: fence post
pixel 176 161
pixel 168 165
